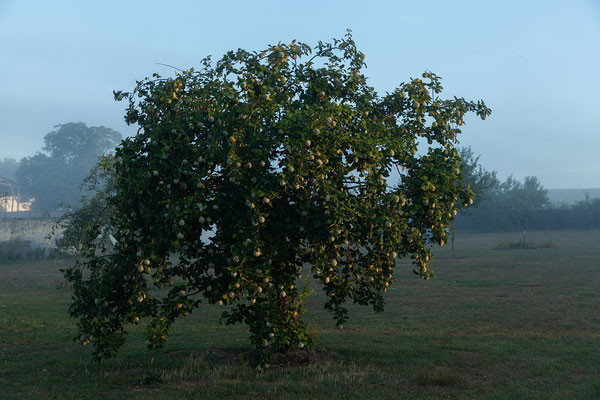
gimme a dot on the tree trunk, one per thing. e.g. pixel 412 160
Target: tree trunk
pixel 452 233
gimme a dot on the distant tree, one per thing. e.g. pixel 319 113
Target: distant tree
pixel 476 178
pixel 8 167
pixel 70 152
pixel 588 202
pixel 590 208
pixel 94 211
pixel 523 198
pixel 509 205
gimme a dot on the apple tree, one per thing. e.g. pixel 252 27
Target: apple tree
pixel 286 155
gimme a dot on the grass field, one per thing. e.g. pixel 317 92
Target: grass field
pixel 494 324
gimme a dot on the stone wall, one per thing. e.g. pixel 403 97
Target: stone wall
pixel 34 229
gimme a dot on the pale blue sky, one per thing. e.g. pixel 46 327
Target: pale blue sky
pixel 535 63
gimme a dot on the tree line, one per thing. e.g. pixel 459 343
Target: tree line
pixel 512 205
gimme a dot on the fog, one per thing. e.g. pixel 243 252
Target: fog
pixel 533 63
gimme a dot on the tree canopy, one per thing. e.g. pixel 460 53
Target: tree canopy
pixel 477 178
pixel 8 168
pixel 510 205
pixel 284 154
pixel 70 152
pixel 522 198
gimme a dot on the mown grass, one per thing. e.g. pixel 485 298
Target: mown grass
pixel 494 324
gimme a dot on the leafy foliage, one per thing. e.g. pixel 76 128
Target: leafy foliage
pixel 72 151
pixel 8 167
pixel 286 161
pixel 94 211
pixel 523 198
pixel 588 203
pixel 477 178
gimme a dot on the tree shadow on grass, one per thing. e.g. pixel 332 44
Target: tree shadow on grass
pixel 277 360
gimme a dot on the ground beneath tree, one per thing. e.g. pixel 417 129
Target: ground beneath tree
pixel 297 358
pixel 279 360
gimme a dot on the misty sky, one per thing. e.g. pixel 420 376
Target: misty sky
pixel 535 63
